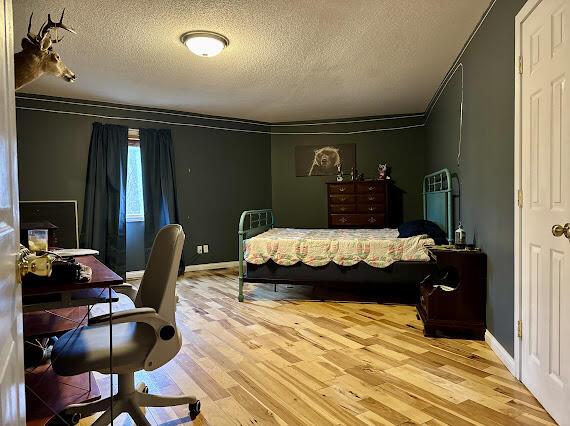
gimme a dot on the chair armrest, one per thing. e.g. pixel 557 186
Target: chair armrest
pixel 126 289
pixel 165 331
pixel 142 315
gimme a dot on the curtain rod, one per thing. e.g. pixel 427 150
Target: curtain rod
pixel 203 126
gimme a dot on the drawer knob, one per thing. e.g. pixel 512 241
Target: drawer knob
pixel 342 198
pixel 371 198
pixel 342 189
pixel 371 209
pixel 371 188
pixel 371 219
pixel 342 209
pixel 343 219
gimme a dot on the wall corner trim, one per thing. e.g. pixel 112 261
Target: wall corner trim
pixel 501 352
pixel 134 275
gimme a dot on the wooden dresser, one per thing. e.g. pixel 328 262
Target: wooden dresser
pixel 359 204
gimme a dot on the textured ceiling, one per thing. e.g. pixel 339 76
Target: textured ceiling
pixel 287 59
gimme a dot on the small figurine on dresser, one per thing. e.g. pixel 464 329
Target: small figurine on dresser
pixel 339 177
pixel 383 171
pixel 353 173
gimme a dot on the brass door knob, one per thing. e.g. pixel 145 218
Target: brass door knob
pixel 559 230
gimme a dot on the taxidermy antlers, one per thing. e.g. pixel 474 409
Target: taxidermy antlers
pixel 38 56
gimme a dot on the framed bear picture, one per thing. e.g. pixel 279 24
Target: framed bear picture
pixel 324 160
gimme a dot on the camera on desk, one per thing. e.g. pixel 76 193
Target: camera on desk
pixel 45 265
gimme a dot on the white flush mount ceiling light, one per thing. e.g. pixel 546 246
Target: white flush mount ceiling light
pixel 204 43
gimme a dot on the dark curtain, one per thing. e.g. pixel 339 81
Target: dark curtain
pixel 104 213
pixel 159 184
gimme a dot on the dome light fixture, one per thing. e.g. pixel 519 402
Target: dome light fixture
pixel 204 43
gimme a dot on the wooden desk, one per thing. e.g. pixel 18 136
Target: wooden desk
pixel 46 392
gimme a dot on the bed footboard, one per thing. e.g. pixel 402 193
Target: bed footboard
pixel 251 223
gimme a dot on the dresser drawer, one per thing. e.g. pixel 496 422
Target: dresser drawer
pixel 364 220
pixel 371 187
pixel 342 208
pixel 342 199
pixel 371 198
pixel 341 188
pixel 373 220
pixel 371 208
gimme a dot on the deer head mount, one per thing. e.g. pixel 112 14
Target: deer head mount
pixel 38 57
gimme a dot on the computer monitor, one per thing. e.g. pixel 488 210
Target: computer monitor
pixel 62 214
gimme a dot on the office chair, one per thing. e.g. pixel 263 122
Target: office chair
pixel 144 338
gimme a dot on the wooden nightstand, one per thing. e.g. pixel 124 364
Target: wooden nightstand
pixel 453 299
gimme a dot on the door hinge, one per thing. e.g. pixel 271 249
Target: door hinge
pixel 520 65
pixel 520 198
pixel 519 328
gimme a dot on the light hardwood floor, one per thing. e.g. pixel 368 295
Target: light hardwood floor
pixel 280 358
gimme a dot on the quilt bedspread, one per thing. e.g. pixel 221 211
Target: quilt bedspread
pixel 317 247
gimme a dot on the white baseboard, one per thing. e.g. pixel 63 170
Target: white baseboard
pixel 501 352
pixel 210 266
pixel 133 275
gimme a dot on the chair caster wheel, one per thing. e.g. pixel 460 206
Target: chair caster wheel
pixel 194 409
pixel 142 388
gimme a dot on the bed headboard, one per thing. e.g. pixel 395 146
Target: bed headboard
pixel 437 197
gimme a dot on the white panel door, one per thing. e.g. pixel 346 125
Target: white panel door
pixel 545 131
pixel 12 398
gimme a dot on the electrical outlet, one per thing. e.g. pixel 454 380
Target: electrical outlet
pixel 206 248
pixel 199 249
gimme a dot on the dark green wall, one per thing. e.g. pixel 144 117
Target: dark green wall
pixel 486 169
pixel 219 173
pixel 302 201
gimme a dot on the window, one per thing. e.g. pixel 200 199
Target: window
pixel 135 201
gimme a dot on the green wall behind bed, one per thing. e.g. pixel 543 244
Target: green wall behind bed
pixel 219 173
pixel 302 201
pixel 487 159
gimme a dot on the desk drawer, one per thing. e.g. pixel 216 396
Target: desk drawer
pixel 342 199
pixel 342 208
pixel 371 187
pixel 341 188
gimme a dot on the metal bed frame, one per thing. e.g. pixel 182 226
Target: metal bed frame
pixel 437 205
pixel 438 200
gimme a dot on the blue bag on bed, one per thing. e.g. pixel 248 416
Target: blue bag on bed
pixel 422 227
